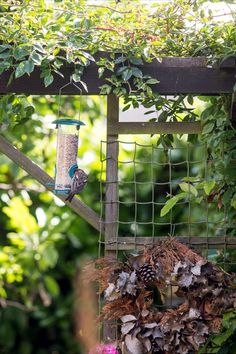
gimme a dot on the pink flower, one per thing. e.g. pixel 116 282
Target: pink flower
pixel 104 349
pixel 109 349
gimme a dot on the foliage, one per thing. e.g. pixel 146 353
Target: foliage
pixel 219 136
pixel 49 35
pixel 40 244
pixel 224 342
pixel 41 248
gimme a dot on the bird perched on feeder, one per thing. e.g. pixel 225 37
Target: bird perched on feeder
pixel 78 183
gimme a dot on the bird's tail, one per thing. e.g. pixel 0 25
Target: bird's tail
pixel 69 197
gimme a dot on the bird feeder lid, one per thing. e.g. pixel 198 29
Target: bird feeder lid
pixel 67 121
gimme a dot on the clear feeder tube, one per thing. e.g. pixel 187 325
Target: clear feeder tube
pixel 67 150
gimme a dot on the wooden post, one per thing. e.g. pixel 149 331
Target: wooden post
pixel 111 207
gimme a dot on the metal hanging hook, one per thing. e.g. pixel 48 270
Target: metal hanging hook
pixel 71 82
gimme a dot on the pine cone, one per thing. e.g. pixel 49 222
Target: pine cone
pixel 147 273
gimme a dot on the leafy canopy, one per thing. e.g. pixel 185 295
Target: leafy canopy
pixel 50 33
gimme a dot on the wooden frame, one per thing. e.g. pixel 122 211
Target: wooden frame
pixel 176 76
pixel 129 243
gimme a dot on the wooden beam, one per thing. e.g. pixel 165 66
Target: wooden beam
pixel 233 110
pixel 112 192
pixel 130 243
pixel 176 76
pixel 43 178
pixel 154 127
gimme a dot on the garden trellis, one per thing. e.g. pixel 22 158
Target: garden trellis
pixel 177 76
pixel 153 172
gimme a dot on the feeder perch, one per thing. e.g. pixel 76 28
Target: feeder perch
pixel 67 150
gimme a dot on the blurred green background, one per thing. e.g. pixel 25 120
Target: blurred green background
pixel 42 241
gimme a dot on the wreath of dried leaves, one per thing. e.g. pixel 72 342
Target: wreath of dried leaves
pixel 205 292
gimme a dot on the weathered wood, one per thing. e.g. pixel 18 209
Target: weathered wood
pixel 176 76
pixel 43 178
pixel 155 128
pixel 233 110
pixel 228 63
pixel 111 207
pixel 130 243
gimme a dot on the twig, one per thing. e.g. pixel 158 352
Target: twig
pixel 110 8
pixel 65 10
pixel 5 303
pixel 19 186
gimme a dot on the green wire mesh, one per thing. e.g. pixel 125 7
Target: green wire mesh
pixel 147 177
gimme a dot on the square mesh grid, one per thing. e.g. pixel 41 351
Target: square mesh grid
pixel 147 177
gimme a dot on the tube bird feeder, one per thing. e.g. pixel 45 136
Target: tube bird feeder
pixel 67 150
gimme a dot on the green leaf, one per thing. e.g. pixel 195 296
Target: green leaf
pixel 40 48
pixel 58 63
pixel 56 51
pixel 37 58
pixel 190 179
pixel 22 220
pixel 120 59
pixel 84 85
pixel 29 66
pixel 87 56
pixel 137 72
pixel 190 99
pixel 136 61
pixel 126 107
pixel 171 203
pixel 21 52
pixel 152 81
pixel 163 116
pixel 4 66
pixel 100 72
pixel 188 188
pixel 121 70
pixel 51 286
pixel 208 128
pixel 5 55
pixel 208 186
pixel 4 47
pixel 105 89
pixel 76 77
pixel 233 201
pixel 126 74
pixel 20 70
pixel 49 256
pixel 48 80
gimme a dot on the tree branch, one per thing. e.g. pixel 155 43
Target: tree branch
pixel 43 178
pixel 20 186
pixel 6 303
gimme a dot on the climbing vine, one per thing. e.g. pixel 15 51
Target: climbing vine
pixel 48 35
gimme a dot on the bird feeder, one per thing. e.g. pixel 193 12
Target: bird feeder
pixel 67 150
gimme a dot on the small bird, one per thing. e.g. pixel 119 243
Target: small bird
pixel 79 181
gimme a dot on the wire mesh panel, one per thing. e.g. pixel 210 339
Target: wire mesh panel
pixel 158 192
pixel 164 191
